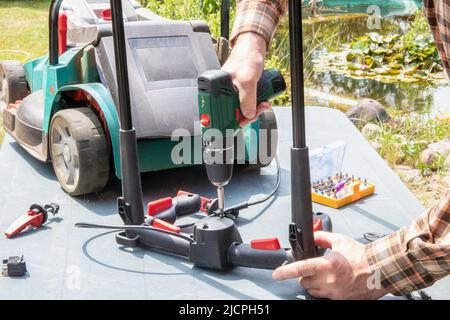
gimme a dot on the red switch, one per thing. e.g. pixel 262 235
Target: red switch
pixel 62 33
pixel 106 14
pixel 266 244
pixel 158 206
pixel 317 225
pixel 160 224
pixel 205 120
pixel 238 115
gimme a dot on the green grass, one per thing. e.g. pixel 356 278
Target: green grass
pixel 23 31
pixel 403 138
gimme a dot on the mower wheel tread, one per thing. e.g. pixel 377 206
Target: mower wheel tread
pixel 17 86
pixel 92 148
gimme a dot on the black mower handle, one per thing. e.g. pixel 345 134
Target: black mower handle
pixel 243 255
pixel 182 205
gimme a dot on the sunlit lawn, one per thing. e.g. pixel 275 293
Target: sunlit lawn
pixel 23 31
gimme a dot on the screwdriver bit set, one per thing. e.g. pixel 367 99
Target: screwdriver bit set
pixel 340 190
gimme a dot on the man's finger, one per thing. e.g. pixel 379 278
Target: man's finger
pixel 244 121
pixel 317 293
pixel 247 98
pixel 326 239
pixel 305 268
pixel 310 282
pixel 260 109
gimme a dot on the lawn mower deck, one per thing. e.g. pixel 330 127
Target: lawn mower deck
pixel 63 107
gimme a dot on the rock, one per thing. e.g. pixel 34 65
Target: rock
pixel 447 162
pixel 367 110
pixel 427 172
pixel 428 157
pixel 408 174
pixel 376 145
pixel 446 180
pixel 442 147
pixel 434 150
pixel 371 130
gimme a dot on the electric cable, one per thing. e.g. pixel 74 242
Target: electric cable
pixel 247 204
pixel 240 206
pixel 130 228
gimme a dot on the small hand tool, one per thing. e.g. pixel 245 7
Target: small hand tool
pixel 35 217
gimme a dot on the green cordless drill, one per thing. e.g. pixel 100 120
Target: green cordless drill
pixel 219 109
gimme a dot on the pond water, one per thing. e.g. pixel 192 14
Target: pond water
pixel 337 90
pixel 387 8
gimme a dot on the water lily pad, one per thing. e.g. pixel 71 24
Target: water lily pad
pixel 386 59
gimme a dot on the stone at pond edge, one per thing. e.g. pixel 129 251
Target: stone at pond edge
pixel 370 131
pixel 442 147
pixel 408 174
pixel 376 145
pixel 433 150
pixel 427 157
pixel 367 110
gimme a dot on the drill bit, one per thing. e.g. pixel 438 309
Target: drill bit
pixel 221 199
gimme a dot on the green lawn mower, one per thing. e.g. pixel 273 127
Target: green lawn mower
pixel 63 107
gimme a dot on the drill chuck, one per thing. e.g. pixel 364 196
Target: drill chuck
pixel 219 164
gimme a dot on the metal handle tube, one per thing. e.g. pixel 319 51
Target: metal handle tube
pixel 120 53
pixel 244 255
pixel 225 19
pixel 297 77
pixel 53 32
pixel 301 202
pixel 129 157
pixel 164 242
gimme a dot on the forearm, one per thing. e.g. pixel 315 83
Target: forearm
pixel 258 16
pixel 414 258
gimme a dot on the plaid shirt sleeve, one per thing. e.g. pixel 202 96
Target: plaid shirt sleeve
pixel 414 258
pixel 259 16
pixel 438 14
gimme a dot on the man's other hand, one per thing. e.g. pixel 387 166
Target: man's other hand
pixel 342 274
pixel 246 64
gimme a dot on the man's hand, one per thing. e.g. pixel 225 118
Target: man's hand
pixel 342 274
pixel 246 64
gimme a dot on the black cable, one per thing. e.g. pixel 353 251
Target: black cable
pixel 130 228
pixel 240 206
pixel 277 185
pixel 247 204
pixel 373 236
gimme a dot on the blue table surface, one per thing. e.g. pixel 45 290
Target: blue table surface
pixel 69 263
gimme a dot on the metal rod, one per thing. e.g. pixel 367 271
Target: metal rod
pixel 297 77
pixel 301 202
pixel 129 156
pixel 225 19
pixel 53 32
pixel 120 53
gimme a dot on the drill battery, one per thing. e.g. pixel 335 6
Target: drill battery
pixel 14 267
